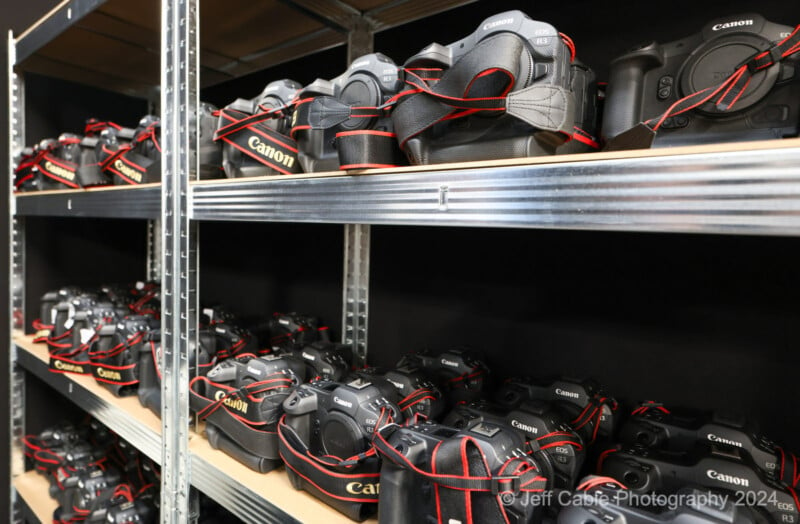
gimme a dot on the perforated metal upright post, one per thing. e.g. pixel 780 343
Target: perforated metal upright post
pixel 16 284
pixel 355 299
pixel 179 101
pixel 154 250
pixel 356 289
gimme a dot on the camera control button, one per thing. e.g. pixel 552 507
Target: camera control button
pixel 681 121
pixel 664 93
pixel 665 84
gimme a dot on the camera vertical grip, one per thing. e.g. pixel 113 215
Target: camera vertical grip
pixel 625 94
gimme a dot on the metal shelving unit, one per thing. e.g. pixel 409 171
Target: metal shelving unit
pixel 753 189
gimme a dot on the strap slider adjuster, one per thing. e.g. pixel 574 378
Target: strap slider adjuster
pixel 506 484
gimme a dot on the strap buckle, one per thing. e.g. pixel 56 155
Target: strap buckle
pixel 506 484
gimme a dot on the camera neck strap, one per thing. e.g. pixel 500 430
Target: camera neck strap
pixel 789 468
pixel 94 127
pixel 465 488
pixel 591 417
pixel 60 170
pixel 724 95
pixel 116 365
pixel 132 163
pixel 353 480
pixel 410 405
pixel 253 138
pixel 481 81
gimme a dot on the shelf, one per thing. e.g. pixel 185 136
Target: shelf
pixel 143 202
pixel 82 40
pixel 125 416
pixel 697 189
pixel 33 491
pixel 252 496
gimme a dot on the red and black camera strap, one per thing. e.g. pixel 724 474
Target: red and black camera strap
pixel 238 413
pixel 56 169
pixel 788 468
pixel 369 148
pixel 352 480
pixel 128 165
pixel 648 405
pixel 482 81
pixel 465 488
pixel 107 359
pixel 724 95
pixel 94 127
pixel 591 417
pixel 248 134
pixel 66 356
pixel 416 402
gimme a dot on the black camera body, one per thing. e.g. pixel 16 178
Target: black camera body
pixel 683 430
pixel 68 341
pixel 335 418
pixel 326 360
pixel 484 450
pixel 509 56
pixel 590 411
pixel 409 388
pixel 138 162
pixel 47 312
pixel 261 147
pixel 560 450
pixel 460 373
pixel 115 354
pixel 82 489
pixel 644 470
pixel 611 504
pixel 241 400
pixel 351 106
pixel 325 442
pixel 645 82
pixel 294 331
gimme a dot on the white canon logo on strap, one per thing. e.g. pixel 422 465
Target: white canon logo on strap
pixel 343 402
pixel 729 25
pixel 730 479
pixel 713 438
pixel 496 23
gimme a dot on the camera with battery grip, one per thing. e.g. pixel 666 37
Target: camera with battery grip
pixel 254 133
pixel 542 427
pixel 715 466
pixel 355 108
pixel 294 331
pixel 461 374
pixel 408 387
pixel 241 401
pixel 325 442
pixel 652 425
pixel 326 360
pixel 590 411
pixel 433 472
pixel 511 89
pixel 115 354
pixel 601 499
pixel 737 79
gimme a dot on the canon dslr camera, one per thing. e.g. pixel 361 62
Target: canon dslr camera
pixel 645 82
pixel 511 89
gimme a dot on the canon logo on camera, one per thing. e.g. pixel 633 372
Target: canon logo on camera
pixel 730 479
pixel 496 23
pixel 524 427
pixel 449 363
pixel 713 438
pixel 343 402
pixel 569 394
pixel 729 25
pixel 308 356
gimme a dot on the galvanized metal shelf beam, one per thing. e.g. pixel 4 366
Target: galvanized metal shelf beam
pixel 735 192
pixel 125 416
pixel 142 202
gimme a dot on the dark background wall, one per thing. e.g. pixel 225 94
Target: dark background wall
pixel 704 320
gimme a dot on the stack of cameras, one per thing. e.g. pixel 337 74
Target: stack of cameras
pixel 514 88
pixel 114 334
pixel 94 475
pixel 431 438
pixel 109 154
